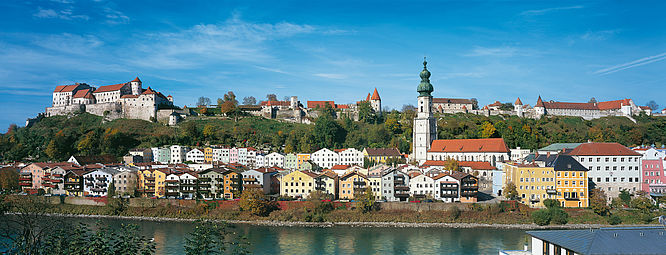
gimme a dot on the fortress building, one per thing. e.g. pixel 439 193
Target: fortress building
pixel 124 100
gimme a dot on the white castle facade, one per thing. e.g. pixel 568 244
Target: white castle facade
pixel 125 100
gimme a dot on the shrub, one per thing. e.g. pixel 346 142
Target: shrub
pixel 551 203
pixel 255 202
pixel 454 212
pixel 558 216
pixel 541 217
pixel 614 220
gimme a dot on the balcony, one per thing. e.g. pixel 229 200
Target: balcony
pixel 469 193
pixel 25 184
pixel 401 195
pixel 359 183
pixel 204 179
pixel 551 191
pixel 249 179
pixel 187 191
pixel 571 198
pixel 449 188
pixel 535 199
pixel 149 190
pixel 401 187
pixel 172 194
pixel 57 175
pixel 171 181
pixel 452 195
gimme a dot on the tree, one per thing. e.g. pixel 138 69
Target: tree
pixel 510 191
pixel 8 179
pixel 625 197
pixel 249 100
pixel 558 216
pixel 271 97
pixel 328 133
pixel 598 202
pixel 642 203
pixel 653 105
pixel 488 130
pixel 366 113
pixel 203 101
pixel 551 203
pixel 111 192
pixel 214 238
pixel 209 131
pixel 541 217
pixel 89 144
pixel 506 107
pixel 366 200
pixel 451 164
pixel 475 103
pixel 255 202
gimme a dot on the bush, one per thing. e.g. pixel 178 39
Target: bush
pixel 614 220
pixel 551 203
pixel 541 217
pixel 255 202
pixel 558 216
pixel 454 212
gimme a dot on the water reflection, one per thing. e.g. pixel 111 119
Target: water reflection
pixel 170 238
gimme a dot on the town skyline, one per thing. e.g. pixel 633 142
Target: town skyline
pixel 487 51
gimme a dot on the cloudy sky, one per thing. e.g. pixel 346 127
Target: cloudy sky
pixel 333 50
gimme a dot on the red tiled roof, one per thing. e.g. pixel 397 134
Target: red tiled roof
pixel 129 96
pixel 311 174
pixel 341 106
pixel 320 104
pixel 469 145
pixel 368 98
pixel 148 91
pixel 137 79
pixel 340 167
pixel 645 108
pixel 477 165
pixel 606 105
pixel 617 104
pixel 539 102
pixel 602 149
pixel 413 174
pixel 496 103
pixel 518 102
pixel 275 103
pixel 451 101
pixel 353 173
pixel 84 93
pixel 375 95
pixel 108 88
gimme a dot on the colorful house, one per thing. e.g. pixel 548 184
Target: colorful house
pixel 533 183
pixel 297 184
pixel 571 182
pixel 208 154
pixel 352 183
pixel 301 158
pixel 380 155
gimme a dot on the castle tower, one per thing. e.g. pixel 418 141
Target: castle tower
pixel 376 102
pixel 518 107
pixel 425 125
pixel 540 108
pixel 136 86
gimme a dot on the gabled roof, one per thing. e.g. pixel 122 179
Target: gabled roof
pixel 368 98
pixel 311 174
pixel 496 103
pixel 389 152
pixel 375 95
pixel 340 167
pixel 602 149
pixel 84 93
pixel 518 102
pixel 330 174
pixel 109 88
pixel 148 91
pixel 320 104
pixel 102 159
pixel 346 175
pixel 469 145
pixel 460 175
pixel 539 102
pixel 137 79
pixel 624 240
pixel 67 88
pixel 567 163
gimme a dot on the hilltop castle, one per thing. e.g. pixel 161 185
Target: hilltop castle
pixel 124 100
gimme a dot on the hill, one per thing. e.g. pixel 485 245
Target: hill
pixel 58 137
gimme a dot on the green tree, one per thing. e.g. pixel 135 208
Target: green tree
pixel 209 238
pixel 551 203
pixel 111 192
pixel 366 113
pixel 328 133
pixel 89 145
pixel 642 203
pixel 625 197
pixel 558 216
pixel 365 200
pixel 598 202
pixel 541 217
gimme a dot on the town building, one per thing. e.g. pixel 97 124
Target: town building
pixel 422 186
pixel 325 158
pixel 350 156
pixel 557 148
pixel 274 159
pixel 394 185
pixel 612 166
pixel 491 150
pixel 96 182
pixel 533 183
pixel 352 183
pixel 211 183
pixel 74 182
pixel 456 186
pixel 327 182
pixel 195 156
pixel 590 110
pixel 297 184
pixel 652 172
pixel 145 154
pixel 178 154
pixel 125 182
pixel 452 105
pixel 380 155
pixel 290 161
pixel 571 182
pixel 260 178
pixel 301 158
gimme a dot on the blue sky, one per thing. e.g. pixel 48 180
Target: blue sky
pixel 334 50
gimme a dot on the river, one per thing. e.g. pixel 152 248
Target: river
pixel 170 237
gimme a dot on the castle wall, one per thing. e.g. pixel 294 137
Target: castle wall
pixel 114 110
pixel 139 112
pixel 63 110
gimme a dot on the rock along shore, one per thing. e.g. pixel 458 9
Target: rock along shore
pixel 353 224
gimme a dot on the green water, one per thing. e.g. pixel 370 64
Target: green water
pixel 170 237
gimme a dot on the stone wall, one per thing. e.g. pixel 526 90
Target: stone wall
pixel 114 110
pixel 64 110
pixel 138 112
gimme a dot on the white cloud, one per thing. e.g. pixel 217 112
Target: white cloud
pixel 495 52
pixel 65 14
pixel 547 10
pixel 631 64
pixel 68 43
pixel 598 35
pixel 331 75
pixel 115 17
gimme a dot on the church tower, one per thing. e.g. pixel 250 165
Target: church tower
pixel 425 125
pixel 376 102
pixel 136 86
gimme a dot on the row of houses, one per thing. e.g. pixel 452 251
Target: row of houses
pixel 324 158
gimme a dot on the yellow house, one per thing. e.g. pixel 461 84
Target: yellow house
pixel 232 185
pixel 533 183
pixel 152 182
pixel 301 158
pixel 327 182
pixel 571 182
pixel 208 154
pixel 351 183
pixel 297 184
pixel 380 155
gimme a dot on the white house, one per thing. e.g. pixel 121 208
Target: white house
pixel 195 155
pixel 255 177
pixel 221 155
pixel 188 185
pixel 325 158
pixel 395 185
pixel 274 159
pixel 422 185
pixel 351 156
pixel 178 154
pixel 97 182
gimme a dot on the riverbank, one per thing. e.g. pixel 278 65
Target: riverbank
pixel 351 224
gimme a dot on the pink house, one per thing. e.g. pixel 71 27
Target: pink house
pixel 233 155
pixel 652 171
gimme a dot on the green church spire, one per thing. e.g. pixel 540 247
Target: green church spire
pixel 425 88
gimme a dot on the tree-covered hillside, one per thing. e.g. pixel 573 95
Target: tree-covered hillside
pixel 56 138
